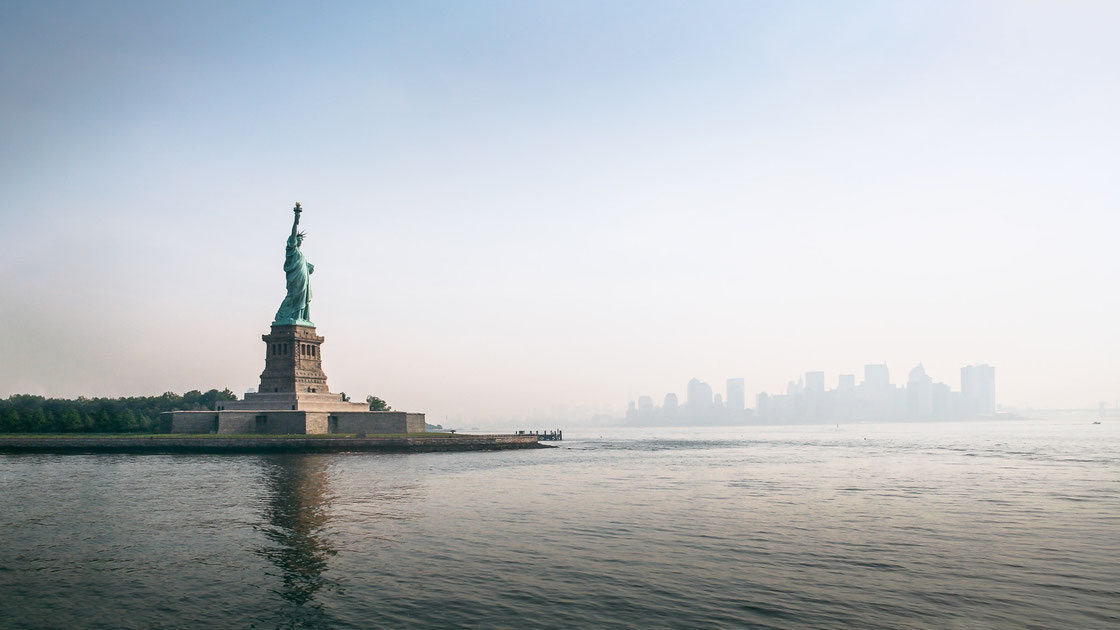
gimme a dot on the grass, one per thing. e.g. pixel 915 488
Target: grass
pixel 5 436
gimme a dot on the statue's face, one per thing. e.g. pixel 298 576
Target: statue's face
pixel 299 241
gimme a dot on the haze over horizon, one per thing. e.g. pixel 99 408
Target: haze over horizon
pixel 524 210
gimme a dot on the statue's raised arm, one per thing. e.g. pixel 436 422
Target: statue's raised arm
pixel 295 224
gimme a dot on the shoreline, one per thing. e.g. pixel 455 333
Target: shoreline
pixel 171 444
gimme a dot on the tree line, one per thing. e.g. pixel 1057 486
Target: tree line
pixel 23 413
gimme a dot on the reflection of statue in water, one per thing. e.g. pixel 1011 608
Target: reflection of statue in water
pixel 296 307
pixel 295 518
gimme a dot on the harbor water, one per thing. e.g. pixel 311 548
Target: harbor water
pixel 1009 524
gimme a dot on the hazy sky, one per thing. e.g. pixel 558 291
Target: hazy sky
pixel 517 206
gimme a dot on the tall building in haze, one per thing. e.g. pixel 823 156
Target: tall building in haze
pixel 876 375
pixel 699 394
pixel 670 403
pixel 736 394
pixel 978 389
pixel 919 393
pixel 814 382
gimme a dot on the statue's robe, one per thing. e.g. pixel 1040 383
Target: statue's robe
pixel 295 307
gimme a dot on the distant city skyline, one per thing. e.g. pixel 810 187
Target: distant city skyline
pixel 807 400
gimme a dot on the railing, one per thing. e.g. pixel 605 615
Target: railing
pixel 556 435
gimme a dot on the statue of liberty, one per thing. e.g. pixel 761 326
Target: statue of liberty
pixel 296 307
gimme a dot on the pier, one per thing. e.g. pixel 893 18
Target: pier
pixel 545 436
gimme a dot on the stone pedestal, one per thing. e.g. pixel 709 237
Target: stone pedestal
pixel 293 398
pixel 293 377
pixel 293 362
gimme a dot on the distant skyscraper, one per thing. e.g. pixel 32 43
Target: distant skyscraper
pixel 814 382
pixel 718 400
pixel 795 388
pixel 736 394
pixel 671 402
pixel 978 389
pixel 699 394
pixel 919 393
pixel 847 382
pixel 876 375
pixel 942 401
pixel 645 406
pixel 879 400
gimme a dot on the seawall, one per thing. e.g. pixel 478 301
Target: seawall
pixel 265 444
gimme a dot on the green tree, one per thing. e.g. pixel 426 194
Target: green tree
pixel 212 397
pixel 36 421
pixel 193 399
pixel 103 421
pixel 71 420
pixel 53 420
pixel 10 420
pixel 376 404
pixel 127 422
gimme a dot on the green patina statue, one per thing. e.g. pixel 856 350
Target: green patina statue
pixel 296 307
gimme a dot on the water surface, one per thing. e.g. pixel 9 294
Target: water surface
pixel 954 525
